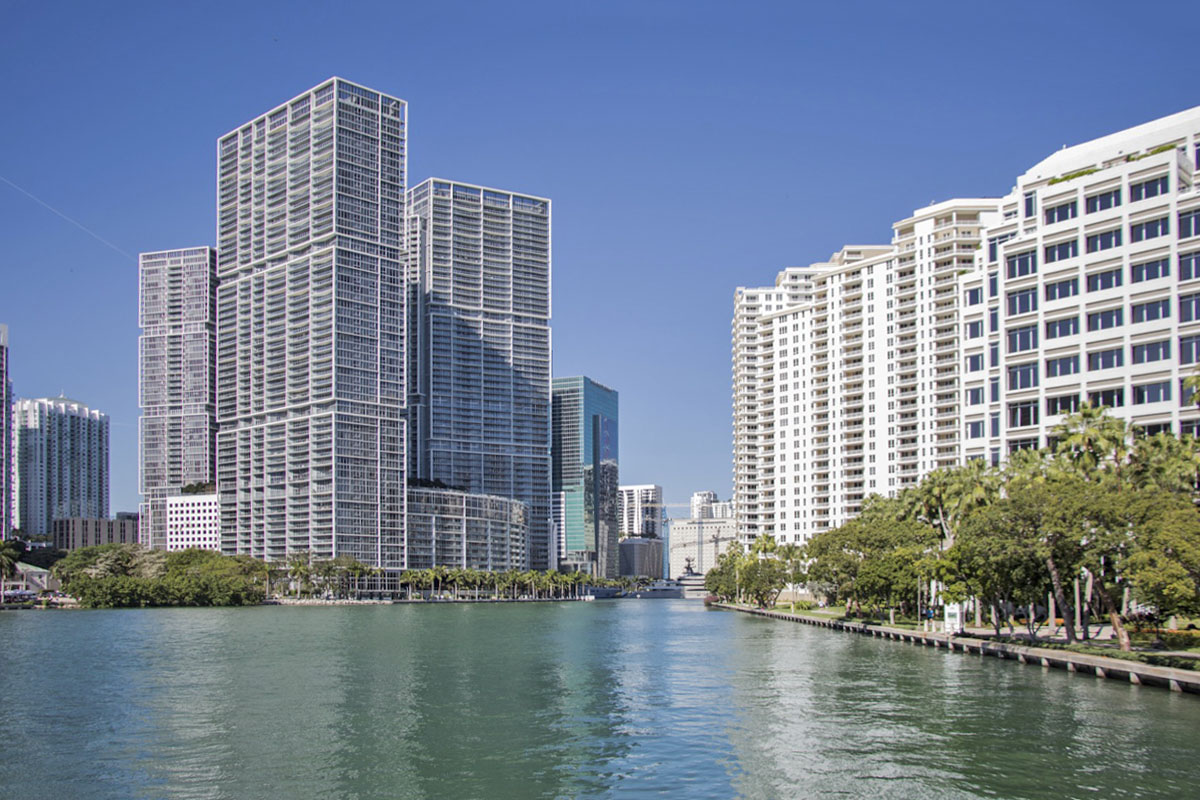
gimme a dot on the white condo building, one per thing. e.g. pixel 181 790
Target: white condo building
pixel 640 511
pixel 310 328
pixel 177 296
pixel 479 346
pixel 193 520
pixel 973 332
pixel 60 458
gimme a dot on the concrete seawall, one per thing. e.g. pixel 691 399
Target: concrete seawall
pixel 1135 672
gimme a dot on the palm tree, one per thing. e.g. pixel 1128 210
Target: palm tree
pixel 1165 462
pixel 299 570
pixel 1091 440
pixel 790 555
pixel 10 554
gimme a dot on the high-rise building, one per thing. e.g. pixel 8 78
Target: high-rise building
pixel 974 333
pixel 640 511
pixel 60 451
pixel 702 504
pixel 585 447
pixel 6 434
pixel 310 328
pixel 193 520
pixel 479 346
pixel 176 379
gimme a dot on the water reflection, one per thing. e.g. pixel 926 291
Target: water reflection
pixel 613 699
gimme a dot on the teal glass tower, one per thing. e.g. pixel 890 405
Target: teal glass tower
pixel 584 443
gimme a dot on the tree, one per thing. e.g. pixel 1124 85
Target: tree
pixel 1165 462
pixel 791 557
pixel 10 554
pixel 1092 440
pixel 1164 566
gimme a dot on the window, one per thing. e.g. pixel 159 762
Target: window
pixel 1062 289
pixel 975 396
pixel 1187 395
pixel 994 360
pixel 994 284
pixel 1021 339
pixel 1155 309
pixel 1189 349
pixel 1102 201
pixel 1022 264
pixel 1152 351
pixel 994 246
pixel 1189 307
pixel 1189 427
pixel 974 329
pixel 1022 415
pixel 1109 398
pixel 1189 223
pixel 1102 320
pixel 1151 429
pixel 1030 204
pixel 996 424
pixel 1147 189
pixel 995 384
pixel 1104 241
pixel 1106 359
pixel 1189 266
pixel 975 296
pixel 1150 270
pixel 1151 393
pixel 1063 404
pixel 975 430
pixel 1022 376
pixel 975 362
pixel 1057 328
pixel 1022 444
pixel 1098 281
pixel 1151 229
pixel 1063 365
pixel 1022 301
pixel 1060 213
pixel 1061 251
pixel 993 319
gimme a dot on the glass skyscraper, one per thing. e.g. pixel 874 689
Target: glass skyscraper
pixel 177 305
pixel 479 346
pixel 6 433
pixel 310 331
pixel 585 475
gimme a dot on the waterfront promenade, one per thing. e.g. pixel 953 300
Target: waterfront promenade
pixel 1177 680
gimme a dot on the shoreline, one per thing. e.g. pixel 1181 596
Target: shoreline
pixel 1133 672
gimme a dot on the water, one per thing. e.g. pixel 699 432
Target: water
pixel 606 699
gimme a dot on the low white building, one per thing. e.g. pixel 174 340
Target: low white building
pixel 193 520
pixel 695 544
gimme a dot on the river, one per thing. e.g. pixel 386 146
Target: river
pixel 606 699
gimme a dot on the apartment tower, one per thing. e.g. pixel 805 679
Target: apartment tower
pixel 310 328
pixel 6 434
pixel 177 301
pixel 585 447
pixel 479 346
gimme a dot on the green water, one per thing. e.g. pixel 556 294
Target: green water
pixel 605 699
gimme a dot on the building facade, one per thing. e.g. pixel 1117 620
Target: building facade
pixel 479 346
pixel 640 511
pixel 585 448
pixel 449 528
pixel 60 454
pixel 705 505
pixel 193 520
pixel 310 328
pixel 641 557
pixel 973 333
pixel 176 379
pixel 6 439
pixel 76 532
pixel 694 544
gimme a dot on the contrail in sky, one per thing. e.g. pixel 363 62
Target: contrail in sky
pixel 76 223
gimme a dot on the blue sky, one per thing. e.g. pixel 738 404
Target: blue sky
pixel 689 148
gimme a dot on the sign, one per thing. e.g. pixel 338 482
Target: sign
pixel 953 617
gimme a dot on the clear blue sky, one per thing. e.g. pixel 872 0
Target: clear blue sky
pixel 688 148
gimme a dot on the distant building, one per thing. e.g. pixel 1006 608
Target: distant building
pixel 584 445
pixel 450 528
pixel 60 450
pixel 696 543
pixel 76 532
pixel 705 505
pixel 641 557
pixel 478 356
pixel 640 511
pixel 192 520
pixel 177 379
pixel 6 434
